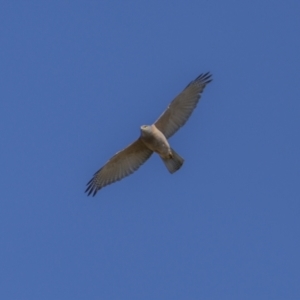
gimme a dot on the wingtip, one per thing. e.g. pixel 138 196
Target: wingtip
pixel 90 187
pixel 204 78
pixel 91 190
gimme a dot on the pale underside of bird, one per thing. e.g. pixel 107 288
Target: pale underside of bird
pixel 153 138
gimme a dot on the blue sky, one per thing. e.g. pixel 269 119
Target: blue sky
pixel 78 78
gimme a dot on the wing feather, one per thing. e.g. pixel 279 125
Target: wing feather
pixel 122 164
pixel 180 109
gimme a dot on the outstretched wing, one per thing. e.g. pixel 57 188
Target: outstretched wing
pixel 122 164
pixel 180 109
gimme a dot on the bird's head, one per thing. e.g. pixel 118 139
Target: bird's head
pixel 145 129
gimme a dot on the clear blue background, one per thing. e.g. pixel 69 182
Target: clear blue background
pixel 78 78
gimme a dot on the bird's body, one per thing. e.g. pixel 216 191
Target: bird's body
pixel 156 141
pixel 153 138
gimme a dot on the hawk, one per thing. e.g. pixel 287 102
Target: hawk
pixel 153 138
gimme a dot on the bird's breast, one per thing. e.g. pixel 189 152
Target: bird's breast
pixel 156 142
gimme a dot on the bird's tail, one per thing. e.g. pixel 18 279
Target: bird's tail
pixel 173 163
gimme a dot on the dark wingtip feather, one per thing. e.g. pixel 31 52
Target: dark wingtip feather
pixel 204 78
pixel 90 187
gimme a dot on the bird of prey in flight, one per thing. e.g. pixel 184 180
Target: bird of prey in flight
pixel 153 138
